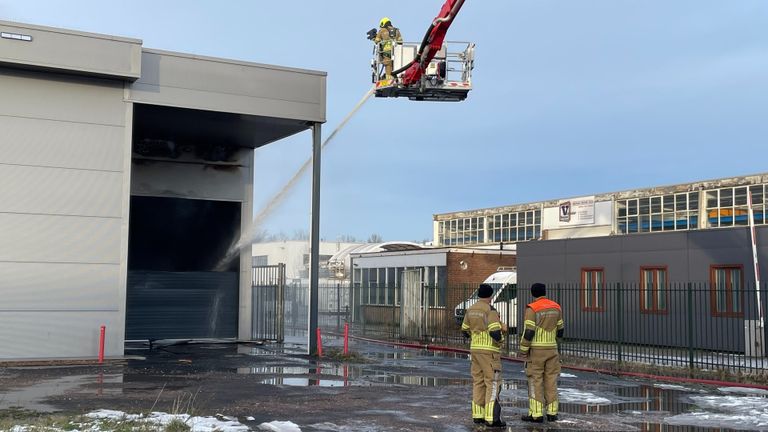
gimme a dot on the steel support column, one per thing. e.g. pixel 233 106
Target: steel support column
pixel 314 247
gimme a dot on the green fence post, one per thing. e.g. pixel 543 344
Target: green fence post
pixel 363 308
pixel 561 301
pixel 620 322
pixel 509 336
pixel 690 326
pixel 338 307
pixel 392 321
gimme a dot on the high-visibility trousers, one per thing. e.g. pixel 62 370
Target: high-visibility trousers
pixel 542 370
pixel 486 385
pixel 386 60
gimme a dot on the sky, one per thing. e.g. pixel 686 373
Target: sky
pixel 570 98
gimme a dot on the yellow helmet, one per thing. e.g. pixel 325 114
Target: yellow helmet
pixel 384 21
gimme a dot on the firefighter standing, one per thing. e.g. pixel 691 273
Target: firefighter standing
pixel 481 323
pixel 543 327
pixel 387 36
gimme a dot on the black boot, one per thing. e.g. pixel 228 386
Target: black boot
pixel 532 419
pixel 551 417
pixel 498 423
pixel 478 421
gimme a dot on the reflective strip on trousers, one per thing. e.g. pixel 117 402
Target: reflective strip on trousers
pixel 478 411
pixel 535 408
pixel 553 407
pixel 489 406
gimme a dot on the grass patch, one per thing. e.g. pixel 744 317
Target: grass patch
pixel 16 416
pixel 177 425
pixel 185 403
pixel 124 425
pixel 350 357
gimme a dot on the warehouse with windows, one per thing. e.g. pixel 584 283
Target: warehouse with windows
pixel 677 257
pixel 719 203
pixel 127 177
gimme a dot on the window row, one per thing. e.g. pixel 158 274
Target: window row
pixel 722 207
pixel 508 227
pixel 384 286
pixel 463 231
pixel 514 227
pixel 728 206
pixel 658 213
pixel 726 290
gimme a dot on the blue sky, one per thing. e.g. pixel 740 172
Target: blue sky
pixel 571 98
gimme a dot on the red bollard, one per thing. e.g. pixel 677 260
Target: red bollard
pixel 346 338
pixel 319 343
pixel 101 344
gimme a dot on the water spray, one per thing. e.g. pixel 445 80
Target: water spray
pixel 246 239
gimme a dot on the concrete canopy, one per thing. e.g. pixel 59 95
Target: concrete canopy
pixel 196 126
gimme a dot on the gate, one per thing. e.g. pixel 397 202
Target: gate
pixel 268 289
pixel 333 310
pixel 410 304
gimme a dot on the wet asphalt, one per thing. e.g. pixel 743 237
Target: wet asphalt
pixel 392 389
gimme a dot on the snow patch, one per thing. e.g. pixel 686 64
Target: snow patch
pixel 715 420
pixel 280 426
pixel 732 403
pixel 743 390
pixel 581 397
pixel 731 412
pixel 105 414
pixel 671 387
pixel 566 375
pixel 195 423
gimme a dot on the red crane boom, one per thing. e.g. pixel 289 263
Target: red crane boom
pixel 433 41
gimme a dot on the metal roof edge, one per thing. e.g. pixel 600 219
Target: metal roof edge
pixel 72 32
pixel 232 61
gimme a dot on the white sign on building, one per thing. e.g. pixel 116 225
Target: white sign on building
pixel 577 211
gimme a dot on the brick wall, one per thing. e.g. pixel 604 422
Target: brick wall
pixel 462 281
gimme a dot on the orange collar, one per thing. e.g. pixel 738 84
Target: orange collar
pixel 543 303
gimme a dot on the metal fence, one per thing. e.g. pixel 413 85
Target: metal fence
pixel 333 307
pixel 268 294
pixel 281 309
pixel 689 325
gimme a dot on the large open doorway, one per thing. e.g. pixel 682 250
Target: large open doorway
pixel 177 286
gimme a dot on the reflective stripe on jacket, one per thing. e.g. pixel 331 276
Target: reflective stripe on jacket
pixel 386 37
pixel 479 321
pixel 543 322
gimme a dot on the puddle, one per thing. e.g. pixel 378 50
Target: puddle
pixel 336 375
pixel 305 382
pixel 33 396
pixel 273 370
pixel 271 349
pixel 422 381
pixel 413 355
pixel 304 376
pixel 625 404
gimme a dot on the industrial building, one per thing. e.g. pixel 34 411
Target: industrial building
pixel 677 257
pixel 411 285
pixel 719 203
pixel 127 177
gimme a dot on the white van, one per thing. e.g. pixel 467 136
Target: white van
pixel 504 298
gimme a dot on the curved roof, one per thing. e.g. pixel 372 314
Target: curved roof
pixel 340 261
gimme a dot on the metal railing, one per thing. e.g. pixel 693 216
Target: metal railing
pixel 696 326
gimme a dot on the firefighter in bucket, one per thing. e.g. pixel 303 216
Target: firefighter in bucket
pixel 386 38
